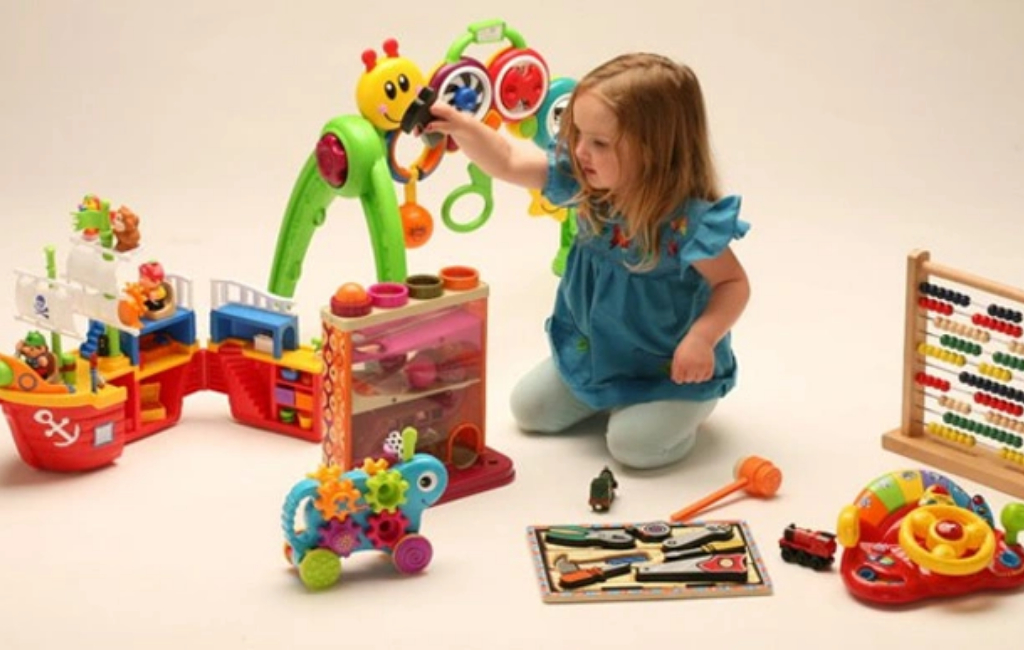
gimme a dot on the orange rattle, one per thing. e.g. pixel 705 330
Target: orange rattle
pixel 758 476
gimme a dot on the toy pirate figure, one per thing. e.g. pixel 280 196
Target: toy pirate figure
pixel 159 300
pixel 36 354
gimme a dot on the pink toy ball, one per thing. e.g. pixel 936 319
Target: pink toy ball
pixel 351 300
pixel 421 371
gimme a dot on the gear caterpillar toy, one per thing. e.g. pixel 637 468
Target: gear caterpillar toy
pixel 329 515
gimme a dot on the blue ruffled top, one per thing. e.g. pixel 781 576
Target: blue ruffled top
pixel 613 331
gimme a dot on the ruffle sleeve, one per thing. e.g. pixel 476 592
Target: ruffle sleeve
pixel 710 228
pixel 561 186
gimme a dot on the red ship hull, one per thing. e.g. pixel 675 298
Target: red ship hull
pixel 67 439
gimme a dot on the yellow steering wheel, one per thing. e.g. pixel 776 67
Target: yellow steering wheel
pixel 957 542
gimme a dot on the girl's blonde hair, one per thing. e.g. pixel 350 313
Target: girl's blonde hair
pixel 663 146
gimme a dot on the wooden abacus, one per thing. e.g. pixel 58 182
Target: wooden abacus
pixel 963 376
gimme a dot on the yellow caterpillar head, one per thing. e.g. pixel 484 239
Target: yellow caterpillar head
pixel 387 87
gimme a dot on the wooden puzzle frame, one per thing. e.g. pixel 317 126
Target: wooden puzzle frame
pixel 625 587
pixel 951 451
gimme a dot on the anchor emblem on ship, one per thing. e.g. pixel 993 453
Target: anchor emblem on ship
pixel 45 418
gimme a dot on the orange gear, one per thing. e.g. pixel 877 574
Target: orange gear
pixel 326 474
pixel 372 466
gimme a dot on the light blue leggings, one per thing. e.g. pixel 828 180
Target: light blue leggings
pixel 642 436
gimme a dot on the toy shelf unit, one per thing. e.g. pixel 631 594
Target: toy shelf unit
pixel 963 376
pixel 254 357
pixel 412 355
pixel 160 365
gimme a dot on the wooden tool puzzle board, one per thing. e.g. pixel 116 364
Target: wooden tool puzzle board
pixel 694 551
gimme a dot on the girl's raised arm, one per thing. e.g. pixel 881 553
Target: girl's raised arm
pixel 494 154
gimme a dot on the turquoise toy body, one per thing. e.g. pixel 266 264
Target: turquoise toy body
pixel 329 515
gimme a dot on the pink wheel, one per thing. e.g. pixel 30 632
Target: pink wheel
pixel 412 554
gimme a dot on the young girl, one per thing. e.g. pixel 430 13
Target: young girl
pixel 651 288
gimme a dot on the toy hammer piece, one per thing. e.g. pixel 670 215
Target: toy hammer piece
pixel 758 476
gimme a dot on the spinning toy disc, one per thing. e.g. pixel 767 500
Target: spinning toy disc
pixel 464 85
pixel 520 83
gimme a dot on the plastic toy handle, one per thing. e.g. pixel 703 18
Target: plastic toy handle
pixel 692 509
pixel 482 32
pixel 758 476
pixel 480 184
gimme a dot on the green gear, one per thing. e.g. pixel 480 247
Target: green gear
pixel 386 490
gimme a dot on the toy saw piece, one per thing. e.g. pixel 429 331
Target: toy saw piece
pixel 585 537
pixel 731 567
pixel 698 537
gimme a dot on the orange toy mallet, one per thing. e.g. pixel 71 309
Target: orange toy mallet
pixel 758 476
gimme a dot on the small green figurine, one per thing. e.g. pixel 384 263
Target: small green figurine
pixel 602 490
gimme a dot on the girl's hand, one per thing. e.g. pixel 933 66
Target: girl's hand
pixel 693 360
pixel 449 120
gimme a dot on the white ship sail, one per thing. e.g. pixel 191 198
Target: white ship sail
pixel 93 267
pixel 90 290
pixel 46 304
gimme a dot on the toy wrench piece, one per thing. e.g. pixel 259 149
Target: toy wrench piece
pixel 580 536
pixel 698 537
pixel 709 568
pixel 733 545
pixel 651 532
pixel 584 577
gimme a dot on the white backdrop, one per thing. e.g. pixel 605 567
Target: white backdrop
pixel 855 132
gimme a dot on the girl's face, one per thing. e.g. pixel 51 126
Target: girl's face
pixel 597 147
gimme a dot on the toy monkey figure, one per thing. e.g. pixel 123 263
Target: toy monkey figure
pixel 125 224
pixel 36 354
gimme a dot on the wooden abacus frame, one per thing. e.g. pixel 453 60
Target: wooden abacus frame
pixel 977 462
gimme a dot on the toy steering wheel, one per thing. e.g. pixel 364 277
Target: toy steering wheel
pixel 957 542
